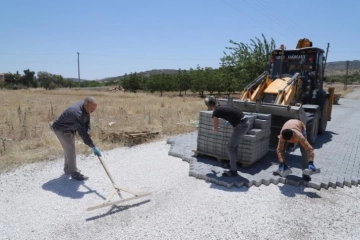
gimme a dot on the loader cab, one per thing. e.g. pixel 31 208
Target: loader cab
pixel 309 62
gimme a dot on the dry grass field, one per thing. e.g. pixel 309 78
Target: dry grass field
pixel 25 135
pixel 348 92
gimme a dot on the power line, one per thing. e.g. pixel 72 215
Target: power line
pixel 280 23
pixel 33 54
pixel 287 20
pixel 279 16
pixel 108 55
pixel 105 55
pixel 255 20
pixel 33 61
pixel 149 58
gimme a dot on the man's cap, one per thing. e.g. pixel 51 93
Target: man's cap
pixel 212 100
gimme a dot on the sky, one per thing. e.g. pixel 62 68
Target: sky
pixel 114 37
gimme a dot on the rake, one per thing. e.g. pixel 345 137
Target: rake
pixel 116 190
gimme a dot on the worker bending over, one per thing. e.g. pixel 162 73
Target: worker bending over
pixel 240 126
pixel 294 131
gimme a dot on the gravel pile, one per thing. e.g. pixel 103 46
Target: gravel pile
pixel 38 202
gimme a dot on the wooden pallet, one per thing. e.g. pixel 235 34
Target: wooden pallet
pixel 139 137
pixel 143 134
pixel 220 159
pixel 336 98
pixel 133 137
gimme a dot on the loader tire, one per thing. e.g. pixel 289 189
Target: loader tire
pixel 324 118
pixel 313 129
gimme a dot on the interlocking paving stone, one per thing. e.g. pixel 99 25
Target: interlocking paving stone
pixel 309 172
pixel 253 145
pixel 337 153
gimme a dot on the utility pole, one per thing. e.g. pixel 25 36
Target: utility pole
pixel 78 68
pixel 325 60
pixel 347 74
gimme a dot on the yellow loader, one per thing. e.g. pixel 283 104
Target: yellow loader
pixel 291 89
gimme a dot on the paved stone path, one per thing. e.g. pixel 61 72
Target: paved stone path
pixel 337 154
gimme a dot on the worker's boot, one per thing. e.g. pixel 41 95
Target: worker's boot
pixel 78 176
pixel 231 173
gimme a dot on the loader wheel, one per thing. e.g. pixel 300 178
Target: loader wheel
pixel 313 129
pixel 324 117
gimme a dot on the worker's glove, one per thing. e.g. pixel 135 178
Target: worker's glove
pixel 96 151
pixel 283 167
pixel 226 123
pixel 311 166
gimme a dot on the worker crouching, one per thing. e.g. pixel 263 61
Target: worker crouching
pixel 294 131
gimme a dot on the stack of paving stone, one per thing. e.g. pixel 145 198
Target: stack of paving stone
pixel 253 146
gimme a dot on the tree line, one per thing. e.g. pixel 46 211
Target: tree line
pixel 351 78
pixel 240 64
pixel 42 79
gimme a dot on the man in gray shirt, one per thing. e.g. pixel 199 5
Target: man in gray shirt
pixel 75 118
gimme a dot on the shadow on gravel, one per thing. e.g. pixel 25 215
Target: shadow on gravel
pixel 233 189
pixel 292 191
pixel 65 187
pixel 116 209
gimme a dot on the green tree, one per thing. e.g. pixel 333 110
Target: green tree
pixel 212 82
pixel 28 78
pixel 160 82
pixel 248 61
pixel 51 81
pixel 58 80
pixel 45 79
pixel 187 80
pixel 12 79
pixel 198 81
pixel 229 82
pixel 132 82
pixel 183 80
pixel 92 83
pixel 70 83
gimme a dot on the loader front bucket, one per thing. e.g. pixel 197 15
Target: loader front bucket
pixel 280 114
pixel 290 112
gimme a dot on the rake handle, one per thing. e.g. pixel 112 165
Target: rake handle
pixel 106 170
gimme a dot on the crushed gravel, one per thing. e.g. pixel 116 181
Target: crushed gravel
pixel 38 202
